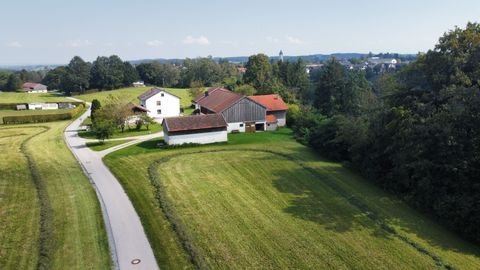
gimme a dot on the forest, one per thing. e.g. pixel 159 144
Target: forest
pixel 415 132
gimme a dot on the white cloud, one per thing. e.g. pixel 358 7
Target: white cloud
pixel 294 40
pixel 154 43
pixel 78 43
pixel 14 44
pixel 201 40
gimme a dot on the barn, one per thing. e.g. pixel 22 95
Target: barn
pixel 198 129
pixel 30 87
pixel 241 113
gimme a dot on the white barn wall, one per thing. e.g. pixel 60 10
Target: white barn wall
pixel 271 127
pixel 235 126
pixel 199 138
pixel 281 118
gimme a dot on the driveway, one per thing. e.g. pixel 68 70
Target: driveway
pixel 127 240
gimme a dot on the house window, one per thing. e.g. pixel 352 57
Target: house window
pixel 159 103
pixel 159 111
pixel 162 94
pixel 241 125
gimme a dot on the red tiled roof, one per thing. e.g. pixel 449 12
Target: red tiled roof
pixel 152 92
pixel 272 102
pixel 271 119
pixel 194 122
pixel 218 99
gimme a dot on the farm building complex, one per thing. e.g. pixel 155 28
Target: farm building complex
pixel 241 113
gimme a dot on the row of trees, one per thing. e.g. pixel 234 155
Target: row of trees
pixel 104 73
pixel 262 75
pixel 417 134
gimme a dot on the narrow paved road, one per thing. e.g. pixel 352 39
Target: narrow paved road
pixel 128 242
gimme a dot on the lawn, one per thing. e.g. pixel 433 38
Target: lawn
pixel 265 201
pixel 100 146
pixel 4 113
pixel 51 218
pixel 117 134
pixel 15 97
pixel 133 92
pixel 19 206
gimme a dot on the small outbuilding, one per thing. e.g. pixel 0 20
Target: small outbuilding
pixel 276 110
pixel 43 106
pixel 198 129
pixel 138 84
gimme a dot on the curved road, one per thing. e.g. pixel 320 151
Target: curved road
pixel 127 240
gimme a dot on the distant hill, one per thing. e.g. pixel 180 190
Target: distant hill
pixel 314 58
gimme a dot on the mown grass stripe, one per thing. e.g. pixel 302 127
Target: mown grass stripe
pixel 45 245
pixel 189 243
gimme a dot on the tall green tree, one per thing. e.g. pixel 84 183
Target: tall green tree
pixel 77 78
pixel 13 83
pixel 259 72
pixel 130 74
pixel 54 77
pixel 339 90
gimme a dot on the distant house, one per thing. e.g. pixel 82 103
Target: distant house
pixel 30 87
pixel 160 104
pixel 276 110
pixel 241 113
pixel 43 106
pixel 199 129
pixel 138 84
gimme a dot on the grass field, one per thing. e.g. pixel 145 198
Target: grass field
pixel 117 134
pixel 100 146
pixel 15 97
pixel 265 201
pixel 51 218
pixel 133 92
pixel 4 113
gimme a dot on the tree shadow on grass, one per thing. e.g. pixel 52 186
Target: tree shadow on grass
pixel 314 201
pixel 320 199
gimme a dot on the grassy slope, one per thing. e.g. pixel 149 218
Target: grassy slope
pixel 280 214
pixel 117 134
pixel 133 92
pixel 13 97
pixel 19 207
pixel 78 238
pixel 100 146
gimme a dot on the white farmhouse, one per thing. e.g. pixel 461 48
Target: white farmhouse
pixel 160 104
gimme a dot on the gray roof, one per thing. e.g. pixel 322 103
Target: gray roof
pixel 152 92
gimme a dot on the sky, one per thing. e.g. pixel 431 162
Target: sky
pixel 53 31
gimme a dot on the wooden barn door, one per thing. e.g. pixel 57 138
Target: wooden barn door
pixel 250 127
